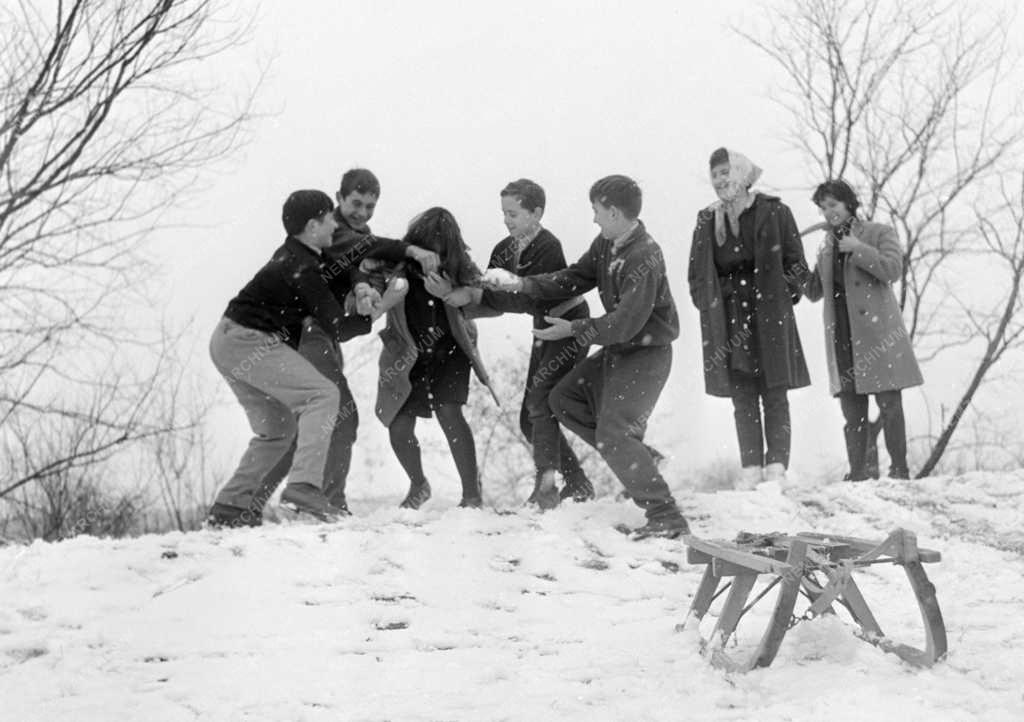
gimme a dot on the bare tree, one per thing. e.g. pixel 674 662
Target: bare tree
pixel 999 327
pixel 178 464
pixel 914 103
pixel 105 120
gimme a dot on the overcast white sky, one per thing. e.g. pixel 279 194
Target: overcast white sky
pixel 448 101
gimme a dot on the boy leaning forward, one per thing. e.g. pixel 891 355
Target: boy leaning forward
pixel 608 397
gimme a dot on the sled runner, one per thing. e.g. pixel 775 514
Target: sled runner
pixel 821 568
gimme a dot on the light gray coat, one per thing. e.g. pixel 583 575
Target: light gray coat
pixel 883 358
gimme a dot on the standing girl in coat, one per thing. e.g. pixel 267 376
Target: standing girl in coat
pixel 866 342
pixel 428 350
pixel 746 266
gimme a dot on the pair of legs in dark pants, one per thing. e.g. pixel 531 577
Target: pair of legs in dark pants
pixel 855 411
pixel 763 440
pixel 550 361
pixel 606 400
pixel 460 441
pixel 320 350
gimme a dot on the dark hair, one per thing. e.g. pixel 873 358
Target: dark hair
pixel 720 156
pixel 359 180
pixel 841 191
pixel 529 194
pixel 619 191
pixel 302 207
pixel 436 230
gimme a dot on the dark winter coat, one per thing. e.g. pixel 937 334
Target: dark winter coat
pixel 349 247
pixel 780 269
pixel 288 289
pixel 883 359
pixel 399 354
pixel 631 282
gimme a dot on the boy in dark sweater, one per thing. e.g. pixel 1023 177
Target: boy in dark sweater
pixel 286 399
pixel 608 397
pixel 348 262
pixel 530 249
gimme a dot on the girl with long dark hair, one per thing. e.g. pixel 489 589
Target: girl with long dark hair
pixel 429 348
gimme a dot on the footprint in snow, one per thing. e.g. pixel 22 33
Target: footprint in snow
pixel 397 598
pixel 34 614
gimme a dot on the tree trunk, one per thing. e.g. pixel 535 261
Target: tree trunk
pixel 947 433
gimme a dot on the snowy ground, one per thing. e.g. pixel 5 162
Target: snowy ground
pixel 452 614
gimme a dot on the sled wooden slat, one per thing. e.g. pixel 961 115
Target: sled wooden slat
pixel 750 561
pixel 861 546
pixel 794 561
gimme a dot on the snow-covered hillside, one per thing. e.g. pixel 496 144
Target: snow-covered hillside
pixel 452 614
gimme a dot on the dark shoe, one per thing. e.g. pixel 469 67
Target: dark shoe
pixel 336 497
pixel 532 498
pixel 547 497
pixel 471 502
pixel 578 489
pixel 417 496
pixel 308 499
pixel 545 490
pixel 223 516
pixel 670 527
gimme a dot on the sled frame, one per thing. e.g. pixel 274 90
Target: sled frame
pixel 795 562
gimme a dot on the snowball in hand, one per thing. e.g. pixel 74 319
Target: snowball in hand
pixel 500 278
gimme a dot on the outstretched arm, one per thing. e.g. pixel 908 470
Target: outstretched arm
pixel 571 281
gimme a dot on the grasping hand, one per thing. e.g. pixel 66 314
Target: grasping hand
pixel 437 285
pixel 428 260
pixel 849 243
pixel 460 297
pixel 367 299
pixel 502 280
pixel 559 328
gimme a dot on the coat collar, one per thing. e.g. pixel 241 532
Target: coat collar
pixel 344 224
pixel 300 249
pixel 620 244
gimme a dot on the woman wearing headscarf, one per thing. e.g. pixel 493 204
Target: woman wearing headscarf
pixel 866 343
pixel 745 274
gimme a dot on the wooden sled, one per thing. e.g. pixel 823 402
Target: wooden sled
pixel 819 566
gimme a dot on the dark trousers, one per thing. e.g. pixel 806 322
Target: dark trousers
pixel 855 411
pixel 550 361
pixel 606 400
pixel 320 350
pixel 763 440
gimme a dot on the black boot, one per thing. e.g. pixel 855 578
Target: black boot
pixel 336 495
pixel 417 496
pixel 226 516
pixel 472 495
pixel 667 527
pixel 578 488
pixel 309 499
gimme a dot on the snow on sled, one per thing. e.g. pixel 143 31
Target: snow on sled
pixel 820 567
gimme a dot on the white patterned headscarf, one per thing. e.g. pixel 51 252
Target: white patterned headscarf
pixel 733 199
